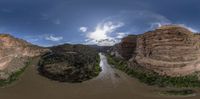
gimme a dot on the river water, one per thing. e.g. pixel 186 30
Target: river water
pixel 110 84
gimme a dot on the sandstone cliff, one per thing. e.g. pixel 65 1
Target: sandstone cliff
pixel 14 53
pixel 126 48
pixel 169 50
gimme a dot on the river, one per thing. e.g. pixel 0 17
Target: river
pixel 110 84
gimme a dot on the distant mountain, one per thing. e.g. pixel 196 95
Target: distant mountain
pixel 101 48
pixel 106 42
pixel 14 53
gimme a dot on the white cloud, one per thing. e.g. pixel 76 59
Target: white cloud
pixel 121 35
pixel 107 42
pixel 53 38
pixel 114 28
pixel 158 24
pixel 83 29
pixel 101 34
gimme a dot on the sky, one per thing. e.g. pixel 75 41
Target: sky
pixel 101 22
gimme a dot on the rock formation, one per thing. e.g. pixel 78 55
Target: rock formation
pixel 70 63
pixel 169 50
pixel 127 46
pixel 14 53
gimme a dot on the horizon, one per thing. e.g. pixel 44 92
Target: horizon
pixel 94 22
pixel 158 27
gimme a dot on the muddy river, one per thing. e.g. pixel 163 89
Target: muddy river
pixel 110 84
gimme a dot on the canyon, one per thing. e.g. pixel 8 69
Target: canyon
pixel 169 50
pixel 167 54
pixel 72 63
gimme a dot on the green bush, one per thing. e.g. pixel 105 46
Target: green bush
pixel 153 78
pixel 97 68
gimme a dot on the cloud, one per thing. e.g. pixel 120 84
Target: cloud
pixel 107 42
pixel 121 35
pixel 158 24
pixel 102 34
pixel 83 29
pixel 53 38
pixel 113 28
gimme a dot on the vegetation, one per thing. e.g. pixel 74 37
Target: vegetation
pixel 70 63
pixel 97 68
pixel 14 76
pixel 185 92
pixel 153 78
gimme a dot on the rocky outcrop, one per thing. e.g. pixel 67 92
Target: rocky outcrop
pixel 70 63
pixel 169 50
pixel 14 53
pixel 125 49
pixel 115 51
pixel 127 46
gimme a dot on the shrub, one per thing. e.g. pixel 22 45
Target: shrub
pixel 153 78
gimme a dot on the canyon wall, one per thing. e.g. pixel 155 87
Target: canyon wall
pixel 14 53
pixel 169 50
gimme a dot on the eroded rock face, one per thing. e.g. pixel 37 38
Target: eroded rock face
pixel 169 50
pixel 125 49
pixel 15 46
pixel 127 46
pixel 14 53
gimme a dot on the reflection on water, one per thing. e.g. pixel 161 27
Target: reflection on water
pixel 107 71
pixel 110 84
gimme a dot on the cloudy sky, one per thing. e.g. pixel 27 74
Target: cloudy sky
pixel 102 22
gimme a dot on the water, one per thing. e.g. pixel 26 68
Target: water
pixel 110 84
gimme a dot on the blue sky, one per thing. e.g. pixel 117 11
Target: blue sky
pixel 102 22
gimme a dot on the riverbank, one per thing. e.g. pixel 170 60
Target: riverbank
pixel 15 75
pixel 105 86
pixel 179 93
pixel 152 78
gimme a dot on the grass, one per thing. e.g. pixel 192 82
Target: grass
pixel 185 92
pixel 153 78
pixel 14 76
